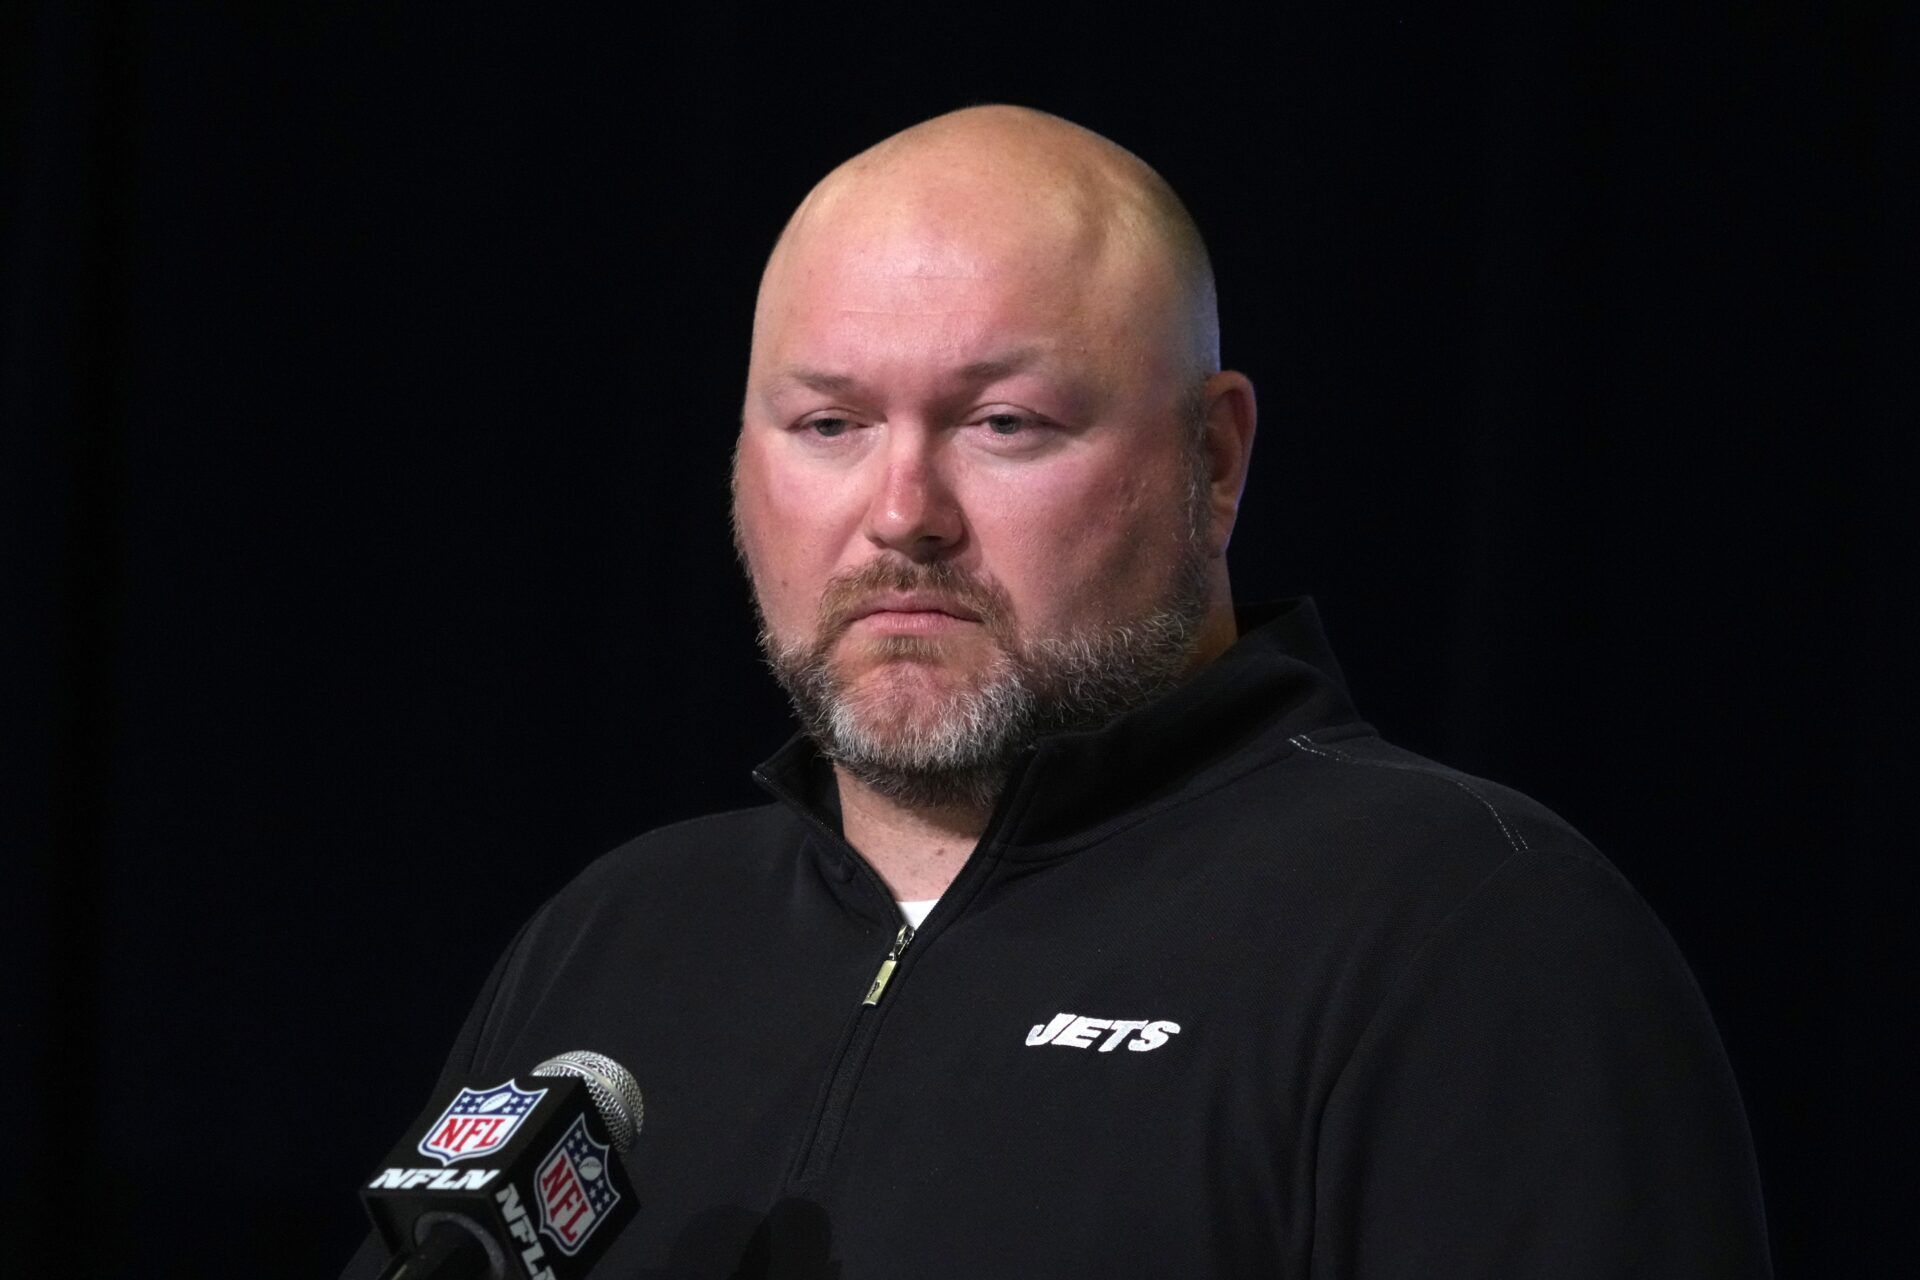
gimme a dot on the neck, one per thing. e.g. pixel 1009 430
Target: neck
pixel 916 849
pixel 1217 634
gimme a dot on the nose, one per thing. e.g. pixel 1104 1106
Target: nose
pixel 914 510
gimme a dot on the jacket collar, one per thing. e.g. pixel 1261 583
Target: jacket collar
pixel 1071 789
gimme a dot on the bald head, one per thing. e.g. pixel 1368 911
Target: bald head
pixel 1008 187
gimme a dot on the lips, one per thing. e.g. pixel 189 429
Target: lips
pixel 893 597
pixel 912 603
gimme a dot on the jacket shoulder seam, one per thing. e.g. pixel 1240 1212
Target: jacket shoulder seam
pixel 1515 841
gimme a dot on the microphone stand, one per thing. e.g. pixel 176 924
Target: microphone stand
pixel 454 1248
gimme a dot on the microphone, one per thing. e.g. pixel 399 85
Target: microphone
pixel 516 1181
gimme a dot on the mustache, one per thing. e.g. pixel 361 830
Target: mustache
pixel 847 593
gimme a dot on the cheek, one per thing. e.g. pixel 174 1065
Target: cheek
pixel 784 530
pixel 1076 542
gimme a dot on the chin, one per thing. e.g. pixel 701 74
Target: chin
pixel 910 684
pixel 906 687
pixel 922 660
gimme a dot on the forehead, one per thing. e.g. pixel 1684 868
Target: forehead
pixel 952 274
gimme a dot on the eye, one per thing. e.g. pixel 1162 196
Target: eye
pixel 828 428
pixel 1013 425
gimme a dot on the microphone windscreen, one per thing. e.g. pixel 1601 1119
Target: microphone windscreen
pixel 615 1093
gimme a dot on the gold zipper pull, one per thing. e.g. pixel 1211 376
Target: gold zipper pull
pixel 900 942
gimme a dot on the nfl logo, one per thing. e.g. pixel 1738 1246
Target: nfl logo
pixel 478 1122
pixel 576 1193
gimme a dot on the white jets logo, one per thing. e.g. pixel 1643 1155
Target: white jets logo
pixel 1072 1031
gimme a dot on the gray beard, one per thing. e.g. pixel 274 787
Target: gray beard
pixel 961 751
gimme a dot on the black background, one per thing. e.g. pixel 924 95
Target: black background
pixel 368 382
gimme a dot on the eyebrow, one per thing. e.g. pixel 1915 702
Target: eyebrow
pixel 975 373
pixel 1018 360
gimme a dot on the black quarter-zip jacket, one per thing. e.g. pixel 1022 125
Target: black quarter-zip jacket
pixel 1230 987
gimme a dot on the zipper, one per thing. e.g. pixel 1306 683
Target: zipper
pixel 843 1079
pixel 900 941
pixel 848 1066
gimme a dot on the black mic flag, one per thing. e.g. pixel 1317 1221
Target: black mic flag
pixel 512 1181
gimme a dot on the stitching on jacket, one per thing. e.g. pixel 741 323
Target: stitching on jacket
pixel 1514 839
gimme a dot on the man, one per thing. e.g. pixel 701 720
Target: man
pixel 1092 932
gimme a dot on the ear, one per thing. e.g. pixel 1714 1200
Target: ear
pixel 1230 411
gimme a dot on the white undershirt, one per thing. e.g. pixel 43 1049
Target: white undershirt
pixel 915 913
